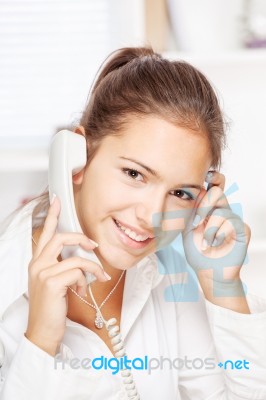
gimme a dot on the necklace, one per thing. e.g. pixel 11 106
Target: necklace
pixel 98 322
pixel 98 319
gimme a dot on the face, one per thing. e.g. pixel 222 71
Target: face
pixel 152 168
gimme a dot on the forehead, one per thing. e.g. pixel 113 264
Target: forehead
pixel 161 145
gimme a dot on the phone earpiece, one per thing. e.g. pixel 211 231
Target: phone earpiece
pixel 68 156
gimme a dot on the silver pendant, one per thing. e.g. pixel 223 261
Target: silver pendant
pixel 98 321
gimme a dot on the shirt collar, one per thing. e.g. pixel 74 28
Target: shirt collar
pixel 16 253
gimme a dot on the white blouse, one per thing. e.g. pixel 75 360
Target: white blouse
pixel 165 320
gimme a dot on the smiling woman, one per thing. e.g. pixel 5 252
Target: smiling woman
pixel 154 136
pixel 130 190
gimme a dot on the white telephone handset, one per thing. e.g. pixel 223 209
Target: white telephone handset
pixel 68 156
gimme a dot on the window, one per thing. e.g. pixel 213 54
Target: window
pixel 50 51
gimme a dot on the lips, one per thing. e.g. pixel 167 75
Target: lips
pixel 127 240
pixel 135 230
pixel 133 233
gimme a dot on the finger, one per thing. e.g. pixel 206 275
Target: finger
pixel 54 247
pixel 73 263
pixel 233 229
pixel 225 233
pixel 239 229
pixel 213 198
pixel 215 178
pixel 49 227
pixel 217 231
pixel 60 282
pixel 214 223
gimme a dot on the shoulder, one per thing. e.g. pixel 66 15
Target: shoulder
pixel 14 223
pixel 15 255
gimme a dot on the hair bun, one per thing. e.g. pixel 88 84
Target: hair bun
pixel 121 57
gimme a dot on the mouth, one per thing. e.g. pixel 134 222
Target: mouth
pixel 130 237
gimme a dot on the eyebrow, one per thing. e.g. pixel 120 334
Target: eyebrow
pixel 154 173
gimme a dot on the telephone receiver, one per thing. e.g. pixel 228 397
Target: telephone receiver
pixel 68 156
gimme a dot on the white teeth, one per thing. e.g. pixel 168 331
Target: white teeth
pixel 133 235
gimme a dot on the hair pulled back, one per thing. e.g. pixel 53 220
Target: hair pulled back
pixel 139 82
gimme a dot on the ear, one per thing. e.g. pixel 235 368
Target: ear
pixel 78 178
pixel 80 130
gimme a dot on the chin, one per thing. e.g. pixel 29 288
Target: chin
pixel 126 261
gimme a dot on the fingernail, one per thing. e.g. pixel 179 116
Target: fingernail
pixel 53 198
pixel 94 243
pixel 196 221
pixel 215 243
pixel 108 277
pixel 204 245
pixel 209 175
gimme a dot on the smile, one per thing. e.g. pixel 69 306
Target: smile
pixel 132 238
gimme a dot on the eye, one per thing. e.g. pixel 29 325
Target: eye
pixel 182 194
pixel 133 174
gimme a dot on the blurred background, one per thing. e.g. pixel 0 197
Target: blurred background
pixel 50 51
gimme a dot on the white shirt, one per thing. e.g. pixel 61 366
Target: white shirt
pixel 150 326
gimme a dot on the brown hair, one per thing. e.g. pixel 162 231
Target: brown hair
pixel 139 82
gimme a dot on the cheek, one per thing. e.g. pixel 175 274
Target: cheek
pixel 104 195
pixel 177 218
pixel 176 223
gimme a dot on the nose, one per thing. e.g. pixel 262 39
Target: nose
pixel 150 211
pixel 155 216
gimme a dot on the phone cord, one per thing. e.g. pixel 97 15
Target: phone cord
pixel 119 350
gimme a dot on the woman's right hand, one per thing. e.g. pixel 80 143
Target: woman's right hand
pixel 49 280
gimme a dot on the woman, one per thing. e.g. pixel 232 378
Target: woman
pixel 154 134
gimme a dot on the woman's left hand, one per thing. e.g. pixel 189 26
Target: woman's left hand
pixel 215 238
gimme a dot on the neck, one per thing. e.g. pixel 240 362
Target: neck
pixel 100 289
